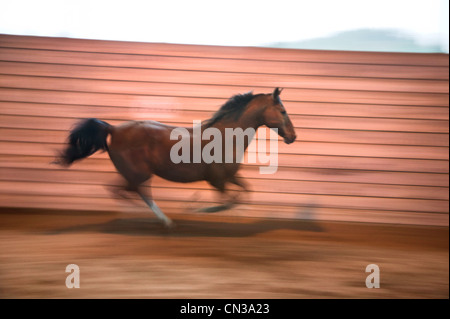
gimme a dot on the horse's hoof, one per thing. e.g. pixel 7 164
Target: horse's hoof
pixel 170 225
pixel 214 209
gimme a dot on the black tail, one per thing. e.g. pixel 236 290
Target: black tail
pixel 85 139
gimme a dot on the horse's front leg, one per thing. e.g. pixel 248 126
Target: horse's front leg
pixel 238 181
pixel 229 199
pixel 215 209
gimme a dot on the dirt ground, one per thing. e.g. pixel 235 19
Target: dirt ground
pixel 212 256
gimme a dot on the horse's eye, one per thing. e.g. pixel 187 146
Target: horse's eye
pixel 283 112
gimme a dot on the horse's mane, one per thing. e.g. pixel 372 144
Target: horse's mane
pixel 233 108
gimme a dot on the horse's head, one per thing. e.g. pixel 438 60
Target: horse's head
pixel 276 117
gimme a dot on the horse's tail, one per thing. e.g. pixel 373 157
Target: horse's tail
pixel 85 139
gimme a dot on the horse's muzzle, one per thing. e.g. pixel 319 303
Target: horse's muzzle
pixel 290 139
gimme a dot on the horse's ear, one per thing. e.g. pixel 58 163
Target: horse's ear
pixel 276 93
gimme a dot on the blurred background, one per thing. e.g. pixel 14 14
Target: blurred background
pixel 365 84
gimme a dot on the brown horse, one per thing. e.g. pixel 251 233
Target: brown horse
pixel 140 149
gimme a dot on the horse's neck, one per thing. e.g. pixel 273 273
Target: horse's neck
pixel 244 123
pixel 234 125
pixel 249 119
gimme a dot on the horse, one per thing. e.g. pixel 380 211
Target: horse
pixel 141 149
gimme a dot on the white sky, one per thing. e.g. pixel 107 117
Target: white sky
pixel 227 22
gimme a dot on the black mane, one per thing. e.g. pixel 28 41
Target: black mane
pixel 234 108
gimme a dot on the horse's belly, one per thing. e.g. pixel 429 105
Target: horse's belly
pixel 182 173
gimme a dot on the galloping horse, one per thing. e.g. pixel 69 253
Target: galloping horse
pixel 141 149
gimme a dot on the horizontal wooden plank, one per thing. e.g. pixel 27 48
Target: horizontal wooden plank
pixel 371 150
pixel 83 45
pixel 216 91
pixel 100 162
pixel 363 163
pixel 354 176
pixel 265 184
pixel 257 81
pixel 306 135
pixel 262 211
pixel 303 148
pixel 170 107
pixel 225 65
pixel 373 137
pixel 368 203
pixel 337 189
pixel 387 125
pixel 75 175
pixel 164 108
pixel 186 119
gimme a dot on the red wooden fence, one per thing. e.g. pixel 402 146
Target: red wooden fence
pixel 372 127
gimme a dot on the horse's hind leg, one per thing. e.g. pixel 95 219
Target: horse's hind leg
pixel 151 203
pixel 119 191
pixel 135 171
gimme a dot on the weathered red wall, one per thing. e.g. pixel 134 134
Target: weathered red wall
pixel 372 127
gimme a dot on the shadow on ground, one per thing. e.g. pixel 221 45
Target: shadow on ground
pixel 189 228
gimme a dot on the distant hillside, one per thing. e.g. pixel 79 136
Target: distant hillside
pixel 363 40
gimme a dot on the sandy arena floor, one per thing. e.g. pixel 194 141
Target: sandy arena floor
pixel 211 256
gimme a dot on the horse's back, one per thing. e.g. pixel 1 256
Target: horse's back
pixel 144 146
pixel 135 133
